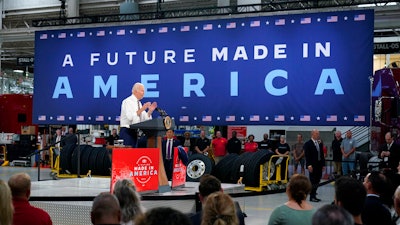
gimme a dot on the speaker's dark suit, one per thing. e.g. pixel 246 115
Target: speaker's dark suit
pixel 311 154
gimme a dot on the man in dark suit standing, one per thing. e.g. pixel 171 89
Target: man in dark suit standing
pixel 390 153
pixel 168 146
pixel 315 162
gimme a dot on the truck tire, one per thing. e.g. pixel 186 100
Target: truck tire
pixel 198 165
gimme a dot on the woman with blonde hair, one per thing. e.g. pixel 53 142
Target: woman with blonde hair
pixel 129 201
pixel 297 210
pixel 219 209
pixel 6 207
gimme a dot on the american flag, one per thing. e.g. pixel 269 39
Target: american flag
pixel 43 36
pixel 306 20
pixel 117 118
pixel 255 23
pixel 42 118
pixel 121 32
pixel 231 25
pixel 80 118
pixel 80 34
pixel 279 118
pixel 101 33
pixel 60 118
pixel 163 30
pixel 206 119
pixel 230 118
pixel 359 17
pixel 185 28
pixel 254 118
pixel 305 118
pixel 331 118
pixel 99 118
pixel 141 31
pixel 359 118
pixel 62 35
pixel 332 19
pixel 184 118
pixel 280 22
pixel 207 26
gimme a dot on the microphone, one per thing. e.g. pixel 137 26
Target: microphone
pixel 161 111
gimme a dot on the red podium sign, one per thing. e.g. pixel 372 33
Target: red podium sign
pixel 138 164
pixel 179 170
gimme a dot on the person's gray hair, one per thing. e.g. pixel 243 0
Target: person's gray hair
pixel 129 200
pixel 136 86
pixel 332 215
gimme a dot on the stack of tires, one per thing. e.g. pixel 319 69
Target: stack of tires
pixel 92 158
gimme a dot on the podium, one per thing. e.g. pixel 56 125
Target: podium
pixel 155 129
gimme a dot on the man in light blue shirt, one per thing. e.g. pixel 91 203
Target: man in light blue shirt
pixel 348 147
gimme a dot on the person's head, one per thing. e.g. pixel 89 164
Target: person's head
pixel 58 132
pixel 349 134
pixel 282 139
pixel 187 135
pixel 250 137
pixel 114 131
pixel 219 209
pixel 138 90
pixel 170 134
pixel 350 194
pixel 208 185
pixel 163 216
pixel 265 136
pixel 338 134
pixel 6 206
pixel 332 215
pixel 129 200
pixel 299 138
pixel 71 130
pixel 20 185
pixel 105 209
pixel 218 134
pixel 234 133
pixel 298 188
pixel 315 134
pixel 375 183
pixel 396 200
pixel 388 137
pixel 202 133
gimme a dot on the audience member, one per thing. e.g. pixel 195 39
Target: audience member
pixel 250 145
pixel 6 207
pixel 219 146
pixel 266 144
pixel 105 209
pixel 208 185
pixel 332 215
pixel 283 149
pixel 375 212
pixel 129 201
pixel 234 144
pixel 219 209
pixel 113 137
pixel 350 194
pixel 337 153
pixel 188 142
pixel 202 144
pixel 167 149
pixel 296 210
pixel 298 155
pixel 348 148
pixel 390 153
pixel 25 213
pixel 163 216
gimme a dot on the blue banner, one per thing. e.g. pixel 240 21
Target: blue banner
pixel 306 69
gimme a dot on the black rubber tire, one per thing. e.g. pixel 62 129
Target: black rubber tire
pixel 252 167
pixel 235 174
pixel 66 157
pixel 99 169
pixel 198 165
pixel 92 160
pixel 223 169
pixel 85 159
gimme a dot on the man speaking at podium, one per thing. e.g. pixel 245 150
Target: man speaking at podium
pixel 132 111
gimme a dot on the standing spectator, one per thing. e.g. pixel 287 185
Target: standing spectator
pixel 390 153
pixel 250 145
pixel 348 148
pixel 315 162
pixel 6 206
pixel 113 137
pixel 219 209
pixel 163 216
pixel 283 149
pixel 24 213
pixel 298 155
pixel 234 144
pixel 332 215
pixel 188 142
pixel 168 146
pixel 105 210
pixel 71 138
pixel 219 146
pixel 375 212
pixel 337 153
pixel 57 140
pixel 266 143
pixel 202 144
pixel 350 194
pixel 129 201
pixel 296 210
